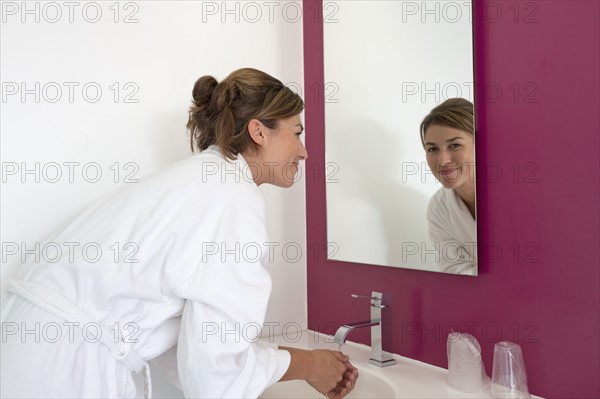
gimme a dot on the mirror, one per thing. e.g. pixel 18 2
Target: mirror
pixel 387 65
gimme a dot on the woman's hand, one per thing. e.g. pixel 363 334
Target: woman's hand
pixel 347 384
pixel 329 372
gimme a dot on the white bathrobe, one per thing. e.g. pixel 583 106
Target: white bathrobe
pixel 188 271
pixel 453 232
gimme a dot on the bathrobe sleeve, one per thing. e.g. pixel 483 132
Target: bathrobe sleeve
pixel 167 362
pixel 226 301
pixel 452 230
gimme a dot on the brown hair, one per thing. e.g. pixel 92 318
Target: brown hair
pixel 220 112
pixel 456 113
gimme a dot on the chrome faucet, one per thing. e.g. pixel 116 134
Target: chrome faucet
pixel 381 329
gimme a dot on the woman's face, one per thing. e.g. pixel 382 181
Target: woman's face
pixel 282 152
pixel 450 155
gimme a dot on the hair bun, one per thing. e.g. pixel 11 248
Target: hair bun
pixel 203 90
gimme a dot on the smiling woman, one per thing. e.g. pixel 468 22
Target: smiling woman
pixel 225 114
pixel 282 146
pixel 447 135
pixel 180 221
pixel 378 184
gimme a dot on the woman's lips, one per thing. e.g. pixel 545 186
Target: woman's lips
pixel 448 171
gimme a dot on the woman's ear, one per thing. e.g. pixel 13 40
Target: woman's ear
pixel 256 129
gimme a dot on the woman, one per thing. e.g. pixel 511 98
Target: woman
pixel 447 135
pixel 174 280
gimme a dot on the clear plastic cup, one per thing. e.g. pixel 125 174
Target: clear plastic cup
pixel 465 366
pixel 509 377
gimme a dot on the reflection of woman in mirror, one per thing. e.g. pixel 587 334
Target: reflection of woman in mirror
pixel 447 134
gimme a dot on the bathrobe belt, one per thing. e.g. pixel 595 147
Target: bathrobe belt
pixel 53 302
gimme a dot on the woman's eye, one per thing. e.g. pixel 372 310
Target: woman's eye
pixel 431 150
pixel 455 146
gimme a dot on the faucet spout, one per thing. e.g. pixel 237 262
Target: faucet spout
pixel 381 329
pixel 343 331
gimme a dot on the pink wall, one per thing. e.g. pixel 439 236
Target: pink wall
pixel 542 290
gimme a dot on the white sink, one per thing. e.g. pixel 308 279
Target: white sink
pixel 408 378
pixel 370 386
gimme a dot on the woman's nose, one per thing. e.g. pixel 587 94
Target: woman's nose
pixel 303 153
pixel 444 157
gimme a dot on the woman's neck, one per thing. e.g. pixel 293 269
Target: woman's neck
pixel 466 193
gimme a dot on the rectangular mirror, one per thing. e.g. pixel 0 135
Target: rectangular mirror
pixel 397 200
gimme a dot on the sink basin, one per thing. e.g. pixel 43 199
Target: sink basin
pixel 408 378
pixel 369 385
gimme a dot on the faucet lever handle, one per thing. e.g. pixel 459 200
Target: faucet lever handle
pixel 375 300
pixel 378 299
pixel 364 296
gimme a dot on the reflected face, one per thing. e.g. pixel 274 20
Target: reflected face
pixel 450 155
pixel 283 151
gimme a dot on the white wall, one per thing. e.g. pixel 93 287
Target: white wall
pixel 156 58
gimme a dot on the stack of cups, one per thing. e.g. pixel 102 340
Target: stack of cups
pixel 509 378
pixel 465 366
